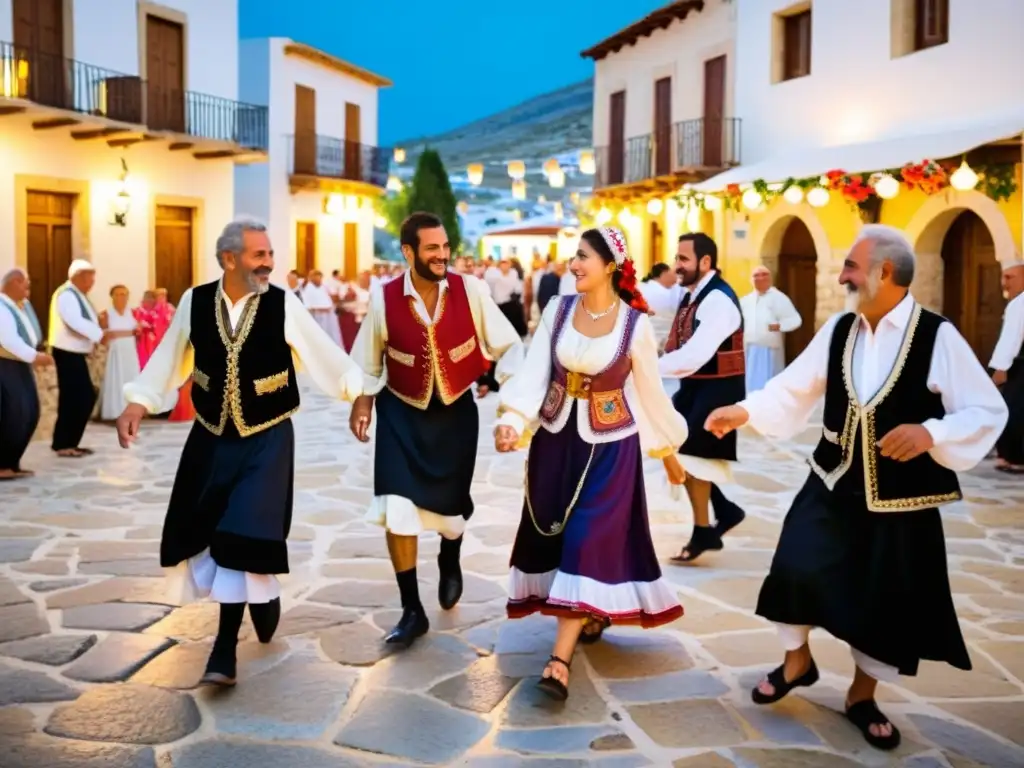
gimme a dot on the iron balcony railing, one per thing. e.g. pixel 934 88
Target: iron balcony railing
pixel 54 81
pixel 702 144
pixel 331 158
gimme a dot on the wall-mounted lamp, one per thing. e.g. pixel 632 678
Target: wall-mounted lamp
pixel 121 203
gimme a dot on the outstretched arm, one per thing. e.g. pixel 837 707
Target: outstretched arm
pixel 333 371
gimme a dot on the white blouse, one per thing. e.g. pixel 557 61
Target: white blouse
pixel 661 428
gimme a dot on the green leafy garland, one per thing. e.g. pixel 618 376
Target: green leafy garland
pixel 997 181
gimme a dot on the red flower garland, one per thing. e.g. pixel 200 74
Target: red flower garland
pixel 628 283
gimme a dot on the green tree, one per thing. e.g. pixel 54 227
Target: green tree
pixel 394 208
pixel 431 191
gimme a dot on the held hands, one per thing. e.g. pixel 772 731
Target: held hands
pixel 999 378
pixel 128 424
pixel 906 442
pixel 42 360
pixel 774 327
pixel 359 419
pixel 674 470
pixel 505 439
pixel 722 421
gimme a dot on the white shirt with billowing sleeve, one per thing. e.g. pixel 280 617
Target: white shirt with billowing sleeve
pixel 1011 337
pixel 761 310
pixel 662 300
pixel 504 286
pixel 312 350
pixel 497 338
pixel 975 411
pixel 719 319
pixel 661 428
pixel 72 332
pixel 10 339
pixel 317 297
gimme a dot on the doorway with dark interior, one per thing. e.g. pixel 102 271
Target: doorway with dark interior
pixel 972 295
pixel 797 278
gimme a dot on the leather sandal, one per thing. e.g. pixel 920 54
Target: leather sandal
pixel 777 679
pixel 866 713
pixel 589 638
pixel 704 539
pixel 552 686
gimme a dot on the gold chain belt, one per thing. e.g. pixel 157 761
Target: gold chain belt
pixel 558 526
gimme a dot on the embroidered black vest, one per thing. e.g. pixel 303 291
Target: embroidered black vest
pixel 729 360
pixel 246 376
pixel 904 398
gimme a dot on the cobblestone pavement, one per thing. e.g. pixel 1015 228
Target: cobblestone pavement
pixel 97 669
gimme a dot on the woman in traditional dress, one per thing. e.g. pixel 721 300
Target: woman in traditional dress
pixel 583 551
pixel 122 355
pixel 146 318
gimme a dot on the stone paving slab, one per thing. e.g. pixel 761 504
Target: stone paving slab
pixel 83 608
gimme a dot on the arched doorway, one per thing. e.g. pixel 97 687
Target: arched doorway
pixel 797 278
pixel 972 296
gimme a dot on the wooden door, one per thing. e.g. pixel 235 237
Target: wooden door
pixel 305 130
pixel 39 42
pixel 353 145
pixel 972 294
pixel 305 247
pixel 174 254
pixel 351 270
pixel 616 163
pixel 165 74
pixel 656 245
pixel 714 111
pixel 663 126
pixel 797 278
pixel 49 247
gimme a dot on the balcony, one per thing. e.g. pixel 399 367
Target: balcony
pixel 330 163
pixel 691 150
pixel 72 93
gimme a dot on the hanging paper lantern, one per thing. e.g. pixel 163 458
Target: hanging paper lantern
pixel 752 199
pixel 603 217
pixel 394 184
pixel 793 195
pixel 587 164
pixel 818 197
pixel 887 187
pixel 463 207
pixel 964 178
pixel 475 173
pixel 655 206
pixel 551 165
pixel 712 203
pixel 399 155
pixel 380 222
pixel 557 178
pixel 519 189
pixel 517 170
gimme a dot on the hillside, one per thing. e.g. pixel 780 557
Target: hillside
pixel 551 124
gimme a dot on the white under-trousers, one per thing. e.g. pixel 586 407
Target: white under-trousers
pixel 794 637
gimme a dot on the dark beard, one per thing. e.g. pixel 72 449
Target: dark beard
pixel 423 270
pixel 686 279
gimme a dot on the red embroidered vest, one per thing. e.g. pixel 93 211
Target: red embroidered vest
pixel 419 356
pixel 609 411
pixel 729 360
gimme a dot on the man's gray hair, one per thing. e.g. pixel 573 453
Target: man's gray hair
pixel 10 274
pixel 889 244
pixel 232 238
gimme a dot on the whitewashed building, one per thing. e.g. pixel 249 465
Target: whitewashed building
pixel 663 116
pixel 319 190
pixel 119 132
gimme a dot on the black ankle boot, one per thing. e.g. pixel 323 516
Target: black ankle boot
pixel 413 624
pixel 449 586
pixel 221 667
pixel 265 618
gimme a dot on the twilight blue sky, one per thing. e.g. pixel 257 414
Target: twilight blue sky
pixel 452 61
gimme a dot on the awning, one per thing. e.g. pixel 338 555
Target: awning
pixel 869 156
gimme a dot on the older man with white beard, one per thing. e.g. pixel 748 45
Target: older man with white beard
pixel 862 553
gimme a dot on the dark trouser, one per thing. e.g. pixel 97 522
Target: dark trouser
pixel 75 399
pixel 1010 446
pixel 19 411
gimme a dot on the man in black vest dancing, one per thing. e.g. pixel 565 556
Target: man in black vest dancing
pixel 862 553
pixel 231 505
pixel 705 350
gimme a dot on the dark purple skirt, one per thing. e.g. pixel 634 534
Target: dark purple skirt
pixel 601 561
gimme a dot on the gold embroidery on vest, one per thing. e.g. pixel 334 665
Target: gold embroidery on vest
pixel 430 349
pixel 401 357
pixel 464 349
pixel 270 384
pixel 608 408
pixel 201 379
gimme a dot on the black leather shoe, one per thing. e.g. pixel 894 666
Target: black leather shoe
pixel 413 624
pixel 265 618
pixel 221 668
pixel 449 588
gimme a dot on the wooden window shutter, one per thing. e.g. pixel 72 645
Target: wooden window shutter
pixel 931 23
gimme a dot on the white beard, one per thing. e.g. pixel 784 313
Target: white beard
pixel 854 299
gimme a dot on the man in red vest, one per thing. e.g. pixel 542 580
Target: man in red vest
pixel 428 336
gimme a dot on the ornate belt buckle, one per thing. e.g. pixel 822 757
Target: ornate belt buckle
pixel 577 385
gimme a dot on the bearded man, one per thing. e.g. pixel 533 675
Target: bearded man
pixel 230 511
pixel 427 338
pixel 862 553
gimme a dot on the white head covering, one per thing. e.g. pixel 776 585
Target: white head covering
pixel 80 265
pixel 1016 262
pixel 616 242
